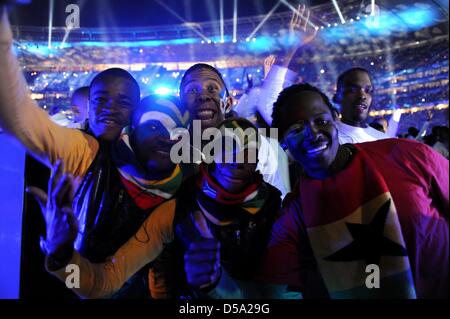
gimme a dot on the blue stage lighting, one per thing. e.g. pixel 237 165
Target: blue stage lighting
pixel 162 90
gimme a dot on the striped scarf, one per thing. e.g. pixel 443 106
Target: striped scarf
pixel 136 180
pixel 223 208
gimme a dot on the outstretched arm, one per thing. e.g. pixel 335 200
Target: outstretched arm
pixel 96 280
pixel 21 117
pixel 283 70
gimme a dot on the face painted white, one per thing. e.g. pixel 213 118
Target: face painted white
pixel 235 141
pixel 163 118
pixel 223 102
pixel 183 118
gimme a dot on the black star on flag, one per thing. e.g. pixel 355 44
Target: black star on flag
pixel 369 243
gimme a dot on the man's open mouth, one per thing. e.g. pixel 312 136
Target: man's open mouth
pixel 316 150
pixel 205 114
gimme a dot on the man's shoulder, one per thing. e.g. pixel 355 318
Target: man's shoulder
pixel 344 127
pixel 398 146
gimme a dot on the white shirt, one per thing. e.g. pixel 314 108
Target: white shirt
pixel 273 165
pixel 441 148
pixel 352 134
pixel 261 99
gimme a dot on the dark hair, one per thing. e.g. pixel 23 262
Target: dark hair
pixel 285 96
pixel 118 73
pixel 377 126
pixel 200 66
pixel 342 78
pixel 413 131
pixel 84 90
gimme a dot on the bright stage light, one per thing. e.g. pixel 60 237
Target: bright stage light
pixel 50 24
pixel 221 22
pixel 263 20
pixel 162 90
pixel 186 23
pixel 235 21
pixel 338 10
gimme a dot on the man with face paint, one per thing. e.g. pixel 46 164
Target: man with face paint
pixel 132 181
pixel 358 207
pixel 204 93
pixel 219 222
pixel 354 96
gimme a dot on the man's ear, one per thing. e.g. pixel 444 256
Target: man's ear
pixel 229 104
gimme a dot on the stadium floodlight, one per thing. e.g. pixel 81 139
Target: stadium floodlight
pixel 235 21
pixel 50 23
pixel 222 40
pixel 264 20
pixel 66 35
pixel 336 6
pixel 186 23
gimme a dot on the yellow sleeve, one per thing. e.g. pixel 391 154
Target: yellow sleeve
pixel 21 117
pixel 103 279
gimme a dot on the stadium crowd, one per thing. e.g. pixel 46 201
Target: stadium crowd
pixel 148 207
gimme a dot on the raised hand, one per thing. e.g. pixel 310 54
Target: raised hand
pixel 268 62
pixel 61 223
pixel 202 263
pixel 300 23
pixel 301 32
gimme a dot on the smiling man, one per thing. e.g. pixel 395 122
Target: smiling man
pixel 354 95
pixel 219 222
pixel 357 205
pixel 113 94
pixel 204 94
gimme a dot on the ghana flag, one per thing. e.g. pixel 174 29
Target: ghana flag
pixel 352 222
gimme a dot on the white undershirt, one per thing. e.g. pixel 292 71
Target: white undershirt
pixel 353 134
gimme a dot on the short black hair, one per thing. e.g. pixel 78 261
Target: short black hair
pixel 284 99
pixel 84 90
pixel 342 78
pixel 377 126
pixel 413 131
pixel 199 66
pixel 116 72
